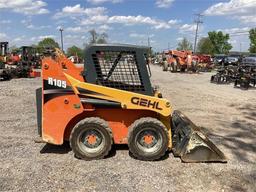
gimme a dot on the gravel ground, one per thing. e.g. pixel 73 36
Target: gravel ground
pixel 226 114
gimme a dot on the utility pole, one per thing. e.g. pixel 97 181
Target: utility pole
pixel 198 21
pixel 149 48
pixel 168 46
pixel 61 37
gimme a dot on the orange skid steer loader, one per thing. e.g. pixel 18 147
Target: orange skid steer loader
pixel 111 101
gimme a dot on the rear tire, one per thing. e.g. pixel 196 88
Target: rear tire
pixel 91 139
pixel 165 66
pixel 174 67
pixel 148 139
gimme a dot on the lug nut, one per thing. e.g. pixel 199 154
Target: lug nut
pixel 46 66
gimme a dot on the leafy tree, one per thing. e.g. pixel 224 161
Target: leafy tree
pixel 184 44
pixel 220 42
pixel 97 38
pixel 48 42
pixel 252 37
pixel 14 48
pixel 75 51
pixel 205 46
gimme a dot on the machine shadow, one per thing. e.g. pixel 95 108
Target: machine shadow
pixel 58 149
pixel 239 136
pixel 124 147
pixel 243 89
pixel 65 148
pixel 246 177
pixel 115 148
pixel 166 156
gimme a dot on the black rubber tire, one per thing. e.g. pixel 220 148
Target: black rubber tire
pixel 235 83
pixel 147 123
pixel 9 77
pixel 90 123
pixel 174 67
pixel 213 78
pixel 165 66
pixel 182 69
pixel 245 84
pixel 6 76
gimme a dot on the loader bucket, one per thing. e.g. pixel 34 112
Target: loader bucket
pixel 190 144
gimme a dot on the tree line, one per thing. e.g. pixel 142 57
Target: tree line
pixel 216 43
pixel 99 38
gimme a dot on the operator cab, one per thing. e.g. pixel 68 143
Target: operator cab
pixel 118 66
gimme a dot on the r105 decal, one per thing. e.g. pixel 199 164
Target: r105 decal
pixel 57 82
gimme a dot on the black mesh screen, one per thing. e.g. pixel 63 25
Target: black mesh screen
pixel 118 70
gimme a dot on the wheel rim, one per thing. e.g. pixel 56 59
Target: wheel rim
pixel 91 141
pixel 148 140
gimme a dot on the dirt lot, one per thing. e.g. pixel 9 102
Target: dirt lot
pixel 228 115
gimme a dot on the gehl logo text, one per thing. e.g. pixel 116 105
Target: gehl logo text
pixel 145 103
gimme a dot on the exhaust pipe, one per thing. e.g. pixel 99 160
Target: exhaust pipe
pixel 190 144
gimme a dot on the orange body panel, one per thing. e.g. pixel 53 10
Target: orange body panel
pixel 57 114
pixel 171 59
pixel 59 111
pixel 62 111
pixel 181 57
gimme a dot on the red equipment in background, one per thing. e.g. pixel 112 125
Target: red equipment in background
pixel 22 63
pixel 204 62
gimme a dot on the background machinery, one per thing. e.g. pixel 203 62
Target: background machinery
pixel 25 62
pixel 242 74
pixel 111 101
pixel 204 63
pixel 246 73
pixel 178 61
pixel 5 72
pixel 219 59
pixel 30 62
pixel 225 75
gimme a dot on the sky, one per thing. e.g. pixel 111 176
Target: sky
pixel 163 22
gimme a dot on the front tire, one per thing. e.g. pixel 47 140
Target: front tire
pixel 148 139
pixel 165 66
pixel 91 139
pixel 174 67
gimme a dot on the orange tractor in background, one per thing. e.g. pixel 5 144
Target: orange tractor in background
pixel 175 60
